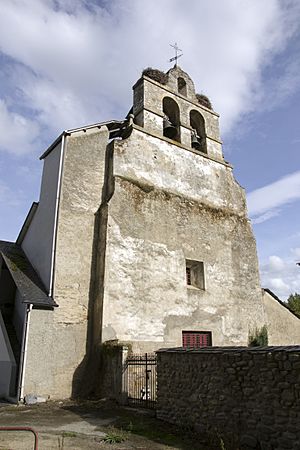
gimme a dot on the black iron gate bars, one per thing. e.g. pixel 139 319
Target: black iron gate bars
pixel 139 379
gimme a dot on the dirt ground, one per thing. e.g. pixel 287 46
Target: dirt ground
pixel 90 425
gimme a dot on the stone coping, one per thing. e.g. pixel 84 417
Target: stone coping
pixel 228 350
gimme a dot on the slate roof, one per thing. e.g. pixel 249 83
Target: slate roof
pixel 25 277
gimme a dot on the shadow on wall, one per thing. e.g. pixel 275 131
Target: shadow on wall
pixel 100 372
pixel 87 376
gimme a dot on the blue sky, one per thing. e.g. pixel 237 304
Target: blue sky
pixel 66 63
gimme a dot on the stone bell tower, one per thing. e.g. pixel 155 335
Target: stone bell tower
pixel 169 102
pixel 181 259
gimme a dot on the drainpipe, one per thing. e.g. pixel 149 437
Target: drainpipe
pixel 51 287
pixel 21 381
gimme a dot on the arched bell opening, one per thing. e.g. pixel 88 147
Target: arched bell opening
pixel 181 85
pixel 198 135
pixel 171 122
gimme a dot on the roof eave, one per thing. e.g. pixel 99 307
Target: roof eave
pixel 284 304
pixel 53 145
pixel 27 223
pixel 111 125
pixel 51 304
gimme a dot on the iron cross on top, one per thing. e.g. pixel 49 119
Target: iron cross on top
pixel 175 46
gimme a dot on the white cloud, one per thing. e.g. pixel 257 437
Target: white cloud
pixel 266 216
pixel 296 252
pixel 276 263
pixel 74 61
pixel 278 284
pixel 7 197
pixel 281 275
pixel 3 192
pixel 264 203
pixel 17 133
pixel 283 85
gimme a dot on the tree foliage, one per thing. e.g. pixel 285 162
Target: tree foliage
pixel 293 302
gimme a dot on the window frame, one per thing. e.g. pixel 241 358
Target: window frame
pixel 195 274
pixel 192 335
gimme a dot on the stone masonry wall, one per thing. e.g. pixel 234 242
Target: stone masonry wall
pixel 249 397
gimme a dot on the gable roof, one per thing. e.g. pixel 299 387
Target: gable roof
pixel 25 277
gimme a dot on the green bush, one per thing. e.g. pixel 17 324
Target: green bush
pixel 258 337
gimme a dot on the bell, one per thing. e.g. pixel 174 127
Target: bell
pixel 196 142
pixel 169 130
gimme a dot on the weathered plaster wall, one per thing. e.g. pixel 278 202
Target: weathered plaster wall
pixel 283 325
pixel 83 179
pixel 148 160
pixel 55 349
pixel 249 397
pixel 170 205
pixel 37 243
pixel 61 335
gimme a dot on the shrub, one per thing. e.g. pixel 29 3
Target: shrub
pixel 115 436
pixel 258 337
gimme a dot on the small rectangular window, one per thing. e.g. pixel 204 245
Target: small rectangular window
pixel 195 274
pixel 196 339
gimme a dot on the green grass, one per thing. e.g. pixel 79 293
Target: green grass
pixel 150 431
pixel 115 436
pixel 155 430
pixel 142 424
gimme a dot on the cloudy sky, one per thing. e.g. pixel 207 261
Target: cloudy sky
pixel 67 63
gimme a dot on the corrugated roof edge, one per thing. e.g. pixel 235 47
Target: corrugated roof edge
pixel 284 304
pixel 108 123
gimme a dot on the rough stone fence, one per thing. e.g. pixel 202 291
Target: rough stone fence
pixel 247 398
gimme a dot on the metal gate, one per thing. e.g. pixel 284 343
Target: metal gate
pixel 139 379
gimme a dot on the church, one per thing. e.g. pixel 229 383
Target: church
pixel 141 237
